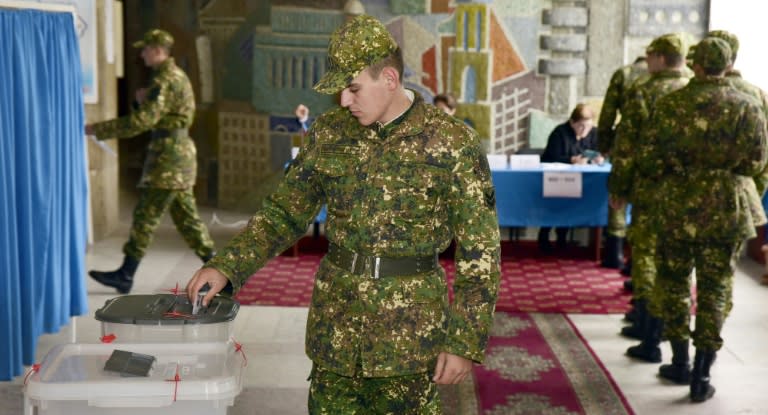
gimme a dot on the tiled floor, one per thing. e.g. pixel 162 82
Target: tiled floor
pixel 277 367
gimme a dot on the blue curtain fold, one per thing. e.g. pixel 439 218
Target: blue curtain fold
pixel 43 188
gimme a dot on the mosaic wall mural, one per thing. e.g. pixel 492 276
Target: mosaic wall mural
pixel 504 60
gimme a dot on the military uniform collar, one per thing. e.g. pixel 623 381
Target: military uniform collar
pixel 711 79
pixel 403 125
pixel 669 73
pixel 733 73
pixel 167 63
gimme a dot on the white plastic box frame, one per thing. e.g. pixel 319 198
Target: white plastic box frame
pixel 145 319
pixel 72 380
pixel 165 333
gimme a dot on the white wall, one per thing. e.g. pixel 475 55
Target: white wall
pixel 747 20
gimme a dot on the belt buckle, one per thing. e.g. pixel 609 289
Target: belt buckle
pixel 368 263
pixel 354 262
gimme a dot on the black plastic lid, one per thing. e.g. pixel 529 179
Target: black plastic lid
pixel 165 309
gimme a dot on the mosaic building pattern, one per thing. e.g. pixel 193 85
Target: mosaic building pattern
pixel 503 60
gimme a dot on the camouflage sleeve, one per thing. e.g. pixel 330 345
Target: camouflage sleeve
pixel 761 180
pixel 624 147
pixel 281 221
pixel 753 141
pixel 476 229
pixel 608 113
pixel 143 118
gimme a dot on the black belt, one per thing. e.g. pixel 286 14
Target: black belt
pixel 377 267
pixel 177 133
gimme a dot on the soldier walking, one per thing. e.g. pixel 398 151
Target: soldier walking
pixel 666 59
pixel 703 137
pixel 166 108
pixel 400 179
pixel 613 108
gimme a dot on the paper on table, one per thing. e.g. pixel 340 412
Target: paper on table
pixel 556 166
pixel 498 161
pixel 562 184
pixel 524 161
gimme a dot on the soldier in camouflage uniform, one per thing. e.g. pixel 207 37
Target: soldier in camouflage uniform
pixel 167 108
pixel 704 138
pixel 401 179
pixel 613 106
pixel 754 187
pixel 665 56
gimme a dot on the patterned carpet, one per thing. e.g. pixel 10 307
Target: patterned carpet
pixel 530 283
pixel 536 364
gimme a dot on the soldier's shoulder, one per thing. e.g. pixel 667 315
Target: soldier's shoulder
pixel 746 87
pixel 447 127
pixel 335 123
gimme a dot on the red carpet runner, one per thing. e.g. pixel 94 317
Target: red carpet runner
pixel 536 364
pixel 533 284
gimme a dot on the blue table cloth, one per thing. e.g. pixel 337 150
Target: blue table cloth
pixel 520 201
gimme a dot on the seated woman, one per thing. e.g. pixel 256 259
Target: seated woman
pixel 573 142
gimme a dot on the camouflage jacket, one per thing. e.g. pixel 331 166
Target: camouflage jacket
pixel 171 162
pixel 406 194
pixel 613 102
pixel 625 181
pixel 703 137
pixel 753 186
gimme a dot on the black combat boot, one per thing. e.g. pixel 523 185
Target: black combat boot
pixel 631 315
pixel 545 246
pixel 680 369
pixel 626 270
pixel 636 330
pixel 648 349
pixel 613 257
pixel 701 390
pixel 562 238
pixel 121 278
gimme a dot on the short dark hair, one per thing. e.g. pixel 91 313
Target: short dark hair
pixel 673 60
pixel 446 99
pixel 581 112
pixel 394 60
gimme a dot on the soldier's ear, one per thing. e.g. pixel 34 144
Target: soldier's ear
pixel 391 77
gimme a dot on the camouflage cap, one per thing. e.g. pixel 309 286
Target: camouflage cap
pixel 712 54
pixel 670 43
pixel 155 37
pixel 356 45
pixel 729 37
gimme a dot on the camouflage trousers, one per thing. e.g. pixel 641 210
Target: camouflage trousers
pixel 617 222
pixel 153 203
pixel 642 238
pixel 333 394
pixel 713 262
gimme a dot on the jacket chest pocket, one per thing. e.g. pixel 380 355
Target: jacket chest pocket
pixel 414 190
pixel 337 172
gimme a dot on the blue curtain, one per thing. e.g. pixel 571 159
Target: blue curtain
pixel 43 188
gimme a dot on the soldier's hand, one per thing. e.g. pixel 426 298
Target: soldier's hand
pixel 141 94
pixel 88 129
pixel 451 369
pixel 215 280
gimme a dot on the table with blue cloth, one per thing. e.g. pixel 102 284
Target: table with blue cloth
pixel 520 201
